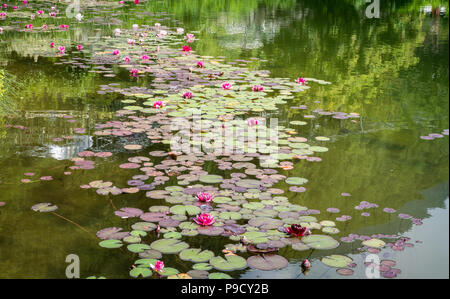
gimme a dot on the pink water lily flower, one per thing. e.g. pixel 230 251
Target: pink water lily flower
pixel 257 88
pixel 227 86
pixel 199 64
pixel 64 26
pixel 5 5
pixel 29 26
pixel 188 95
pixel 40 12
pixel 121 2
pixel 2 15
pixel 131 41
pixel 158 266
pixel 116 52
pixel 205 197
pixel 204 219
pixel 62 49
pixel 301 81
pixel 145 57
pixel 134 72
pixel 80 47
pixel 158 104
pixel 52 45
pixel 306 264
pixel 52 14
pixel 15 7
pixel 136 2
pixel 190 37
pixel 126 59
pixel 251 122
pixel 25 2
pixel 44 27
pixel 1 30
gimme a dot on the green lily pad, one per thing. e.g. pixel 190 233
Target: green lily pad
pixel 219 276
pixel 202 266
pixel 296 181
pixel 320 242
pixel 374 243
pixel 139 271
pixel 229 263
pixel 196 255
pixel 137 248
pixel 337 261
pixel 167 271
pixel 182 210
pixel 211 179
pixel 169 246
pixel 111 243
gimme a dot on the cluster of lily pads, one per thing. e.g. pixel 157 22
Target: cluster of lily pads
pixel 245 208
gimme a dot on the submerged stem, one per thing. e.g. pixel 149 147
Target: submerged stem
pixel 74 223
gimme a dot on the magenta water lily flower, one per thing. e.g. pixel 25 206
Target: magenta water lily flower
pixel 2 15
pixel 121 2
pixel 296 230
pixel 62 49
pixel 306 264
pixel 257 88
pixel 126 59
pixel 80 47
pixel 52 14
pixel 15 8
pixel 145 57
pixel 116 52
pixel 199 64
pixel 204 219
pixel 158 266
pixel 134 72
pixel 186 48
pixel 158 104
pixel 205 197
pixel 29 26
pixel 25 2
pixel 5 5
pixel 227 86
pixel 136 2
pixel 64 27
pixel 52 45
pixel 40 12
pixel 188 95
pixel 301 81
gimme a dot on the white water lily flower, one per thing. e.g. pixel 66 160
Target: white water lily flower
pixel 79 17
pixel 135 27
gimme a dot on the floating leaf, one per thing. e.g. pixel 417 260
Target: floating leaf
pixel 267 262
pixel 139 271
pixel 229 263
pixel 337 261
pixel 320 242
pixel 374 243
pixel 219 276
pixel 111 243
pixel 195 255
pixel 169 246
pixel 44 207
pixel 137 248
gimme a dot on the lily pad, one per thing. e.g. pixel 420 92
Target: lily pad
pixel 182 210
pixel 44 207
pixel 267 262
pixel 337 261
pixel 140 271
pixel 320 242
pixel 196 255
pixel 374 243
pixel 169 246
pixel 219 276
pixel 111 243
pixel 229 263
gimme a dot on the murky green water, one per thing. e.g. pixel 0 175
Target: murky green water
pixel 393 71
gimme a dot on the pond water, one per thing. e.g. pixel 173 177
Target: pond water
pixel 376 88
